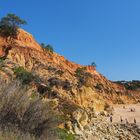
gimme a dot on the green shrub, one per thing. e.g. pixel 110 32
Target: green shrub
pixel 50 68
pixel 82 76
pixel 1 64
pixel 25 76
pixel 47 47
pixel 2 59
pixel 80 71
pixel 63 134
pixel 54 81
pixel 67 85
pixel 59 72
pixel 99 86
pixel 93 64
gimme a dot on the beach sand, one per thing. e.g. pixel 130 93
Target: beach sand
pixel 125 113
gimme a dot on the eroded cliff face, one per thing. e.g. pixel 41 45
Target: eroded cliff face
pixel 26 52
pixel 58 82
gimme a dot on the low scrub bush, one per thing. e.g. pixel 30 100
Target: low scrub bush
pixel 54 81
pixel 63 134
pixel 25 76
pixel 99 86
pixel 66 85
pixel 59 72
pixel 82 76
pixel 15 134
pixel 2 59
pixel 30 115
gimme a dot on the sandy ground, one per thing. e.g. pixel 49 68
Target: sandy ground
pixel 125 113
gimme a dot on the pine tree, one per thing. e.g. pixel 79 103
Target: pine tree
pixel 9 25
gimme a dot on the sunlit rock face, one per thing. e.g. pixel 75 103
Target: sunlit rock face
pixel 23 39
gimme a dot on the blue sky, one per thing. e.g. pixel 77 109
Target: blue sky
pixel 104 31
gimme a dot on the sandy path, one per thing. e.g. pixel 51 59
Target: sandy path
pixel 119 111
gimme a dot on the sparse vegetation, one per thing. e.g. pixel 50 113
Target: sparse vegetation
pixel 93 64
pixel 130 85
pixel 2 59
pixel 43 89
pixel 48 47
pixel 2 63
pixel 82 76
pixel 28 115
pixel 67 85
pixel 63 134
pixel 80 71
pixel 15 134
pixel 42 45
pixel 9 25
pixel 59 72
pixel 54 81
pixel 52 69
pixel 25 76
pixel 99 86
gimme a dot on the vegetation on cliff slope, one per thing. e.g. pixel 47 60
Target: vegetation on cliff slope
pixel 130 85
pixel 48 47
pixel 28 112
